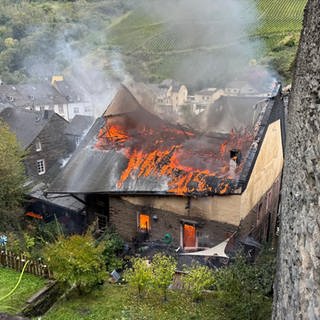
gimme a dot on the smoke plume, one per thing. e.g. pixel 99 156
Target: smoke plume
pixel 211 38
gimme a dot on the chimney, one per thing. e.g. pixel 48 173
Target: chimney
pixel 55 79
pixel 235 159
pixel 235 154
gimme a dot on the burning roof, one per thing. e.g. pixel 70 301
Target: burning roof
pixel 132 151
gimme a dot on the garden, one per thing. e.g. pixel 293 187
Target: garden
pixel 100 281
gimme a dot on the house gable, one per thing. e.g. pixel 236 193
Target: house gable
pixel 54 147
pixel 266 170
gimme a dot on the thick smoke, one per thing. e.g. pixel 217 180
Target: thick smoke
pixel 88 66
pixel 211 38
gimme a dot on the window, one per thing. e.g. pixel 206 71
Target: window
pixel 41 167
pixel 189 236
pixel 77 140
pixel 269 200
pixel 144 222
pixel 76 110
pixel 87 110
pixel 38 145
pixel 60 108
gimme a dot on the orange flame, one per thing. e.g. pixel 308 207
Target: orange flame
pixel 168 154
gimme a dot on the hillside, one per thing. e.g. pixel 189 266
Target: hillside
pixel 158 45
pixel 151 40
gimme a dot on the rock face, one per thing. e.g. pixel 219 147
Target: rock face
pixel 297 287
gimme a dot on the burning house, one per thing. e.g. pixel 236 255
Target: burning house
pixel 183 187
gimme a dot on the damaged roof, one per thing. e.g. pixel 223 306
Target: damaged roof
pixel 132 151
pixel 233 113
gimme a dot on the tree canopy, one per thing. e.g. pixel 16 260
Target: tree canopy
pixel 12 172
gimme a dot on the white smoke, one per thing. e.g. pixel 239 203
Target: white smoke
pixel 212 37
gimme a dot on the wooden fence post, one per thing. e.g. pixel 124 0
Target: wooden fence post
pixel 16 261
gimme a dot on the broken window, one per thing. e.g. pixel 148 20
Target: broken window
pixel 144 222
pixel 189 235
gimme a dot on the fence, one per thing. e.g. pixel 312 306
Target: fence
pixel 17 261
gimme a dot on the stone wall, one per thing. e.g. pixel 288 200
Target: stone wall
pixel 297 287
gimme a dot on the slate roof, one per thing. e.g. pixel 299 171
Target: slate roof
pixel 70 92
pixel 66 201
pixel 10 94
pixel 41 93
pixel 139 160
pixel 167 83
pixel 207 92
pixel 79 124
pixel 25 124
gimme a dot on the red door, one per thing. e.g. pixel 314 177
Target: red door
pixel 189 236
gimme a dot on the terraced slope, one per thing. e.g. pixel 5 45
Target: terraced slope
pixel 153 45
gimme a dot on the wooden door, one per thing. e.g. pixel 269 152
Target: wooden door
pixel 189 236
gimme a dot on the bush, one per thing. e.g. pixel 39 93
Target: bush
pixel 163 270
pixel 197 279
pixel 139 276
pixel 112 246
pixel 76 261
pixel 241 291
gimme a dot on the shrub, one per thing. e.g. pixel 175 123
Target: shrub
pixel 139 276
pixel 197 279
pixel 241 291
pixel 163 270
pixel 76 261
pixel 112 246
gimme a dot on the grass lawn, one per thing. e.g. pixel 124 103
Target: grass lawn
pixel 29 285
pixel 118 302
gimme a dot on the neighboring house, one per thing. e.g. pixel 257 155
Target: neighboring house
pixel 162 183
pixel 41 135
pixel 58 96
pixel 36 97
pixel 77 129
pixel 77 98
pixel 170 92
pixel 207 96
pixel 239 87
pixel 42 96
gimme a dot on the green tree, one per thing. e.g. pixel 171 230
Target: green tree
pixel 12 176
pixel 163 270
pixel 139 276
pixel 77 261
pixel 241 291
pixel 197 279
